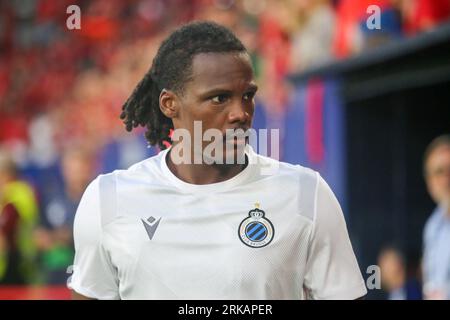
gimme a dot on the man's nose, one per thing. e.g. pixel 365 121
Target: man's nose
pixel 238 113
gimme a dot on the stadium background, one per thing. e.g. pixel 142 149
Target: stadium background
pixel 357 105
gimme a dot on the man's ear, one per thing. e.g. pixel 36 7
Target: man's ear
pixel 168 103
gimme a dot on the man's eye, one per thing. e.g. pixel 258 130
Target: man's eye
pixel 249 96
pixel 221 98
pixel 439 172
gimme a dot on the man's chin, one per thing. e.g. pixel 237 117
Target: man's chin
pixel 231 154
pixel 234 153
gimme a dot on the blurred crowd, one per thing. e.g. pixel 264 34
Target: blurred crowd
pixel 61 92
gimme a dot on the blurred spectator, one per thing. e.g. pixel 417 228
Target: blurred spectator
pixel 436 256
pixel 54 236
pixel 275 25
pixel 394 276
pixel 390 29
pixel 18 217
pixel 313 38
pixel 423 15
pixel 351 14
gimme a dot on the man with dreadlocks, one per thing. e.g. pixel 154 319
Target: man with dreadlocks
pixel 165 229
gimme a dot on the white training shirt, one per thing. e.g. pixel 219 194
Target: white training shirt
pixel 142 233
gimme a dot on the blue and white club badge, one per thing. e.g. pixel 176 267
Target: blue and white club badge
pixel 256 231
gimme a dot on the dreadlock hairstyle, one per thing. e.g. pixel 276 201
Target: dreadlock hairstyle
pixel 171 69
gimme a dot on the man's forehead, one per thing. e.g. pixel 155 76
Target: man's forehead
pixel 439 155
pixel 441 151
pixel 213 69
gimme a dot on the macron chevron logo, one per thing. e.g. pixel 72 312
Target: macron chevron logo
pixel 150 226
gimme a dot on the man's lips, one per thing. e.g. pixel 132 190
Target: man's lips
pixel 235 137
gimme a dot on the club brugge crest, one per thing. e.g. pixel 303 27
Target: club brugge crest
pixel 256 231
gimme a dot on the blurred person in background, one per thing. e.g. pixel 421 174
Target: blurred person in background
pixel 394 276
pixel 18 217
pixel 312 39
pixel 274 45
pixel 423 15
pixel 54 236
pixel 352 33
pixel 436 255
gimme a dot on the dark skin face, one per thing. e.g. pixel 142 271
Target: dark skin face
pixel 220 94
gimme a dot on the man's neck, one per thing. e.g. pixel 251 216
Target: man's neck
pixel 447 212
pixel 204 173
pixel 444 210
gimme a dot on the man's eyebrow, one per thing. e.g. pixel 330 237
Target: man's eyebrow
pixel 219 89
pixel 215 90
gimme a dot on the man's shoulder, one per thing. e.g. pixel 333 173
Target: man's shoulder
pixel 433 222
pixel 286 170
pixel 140 170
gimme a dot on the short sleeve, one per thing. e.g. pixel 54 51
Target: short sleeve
pixel 332 271
pixel 93 274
